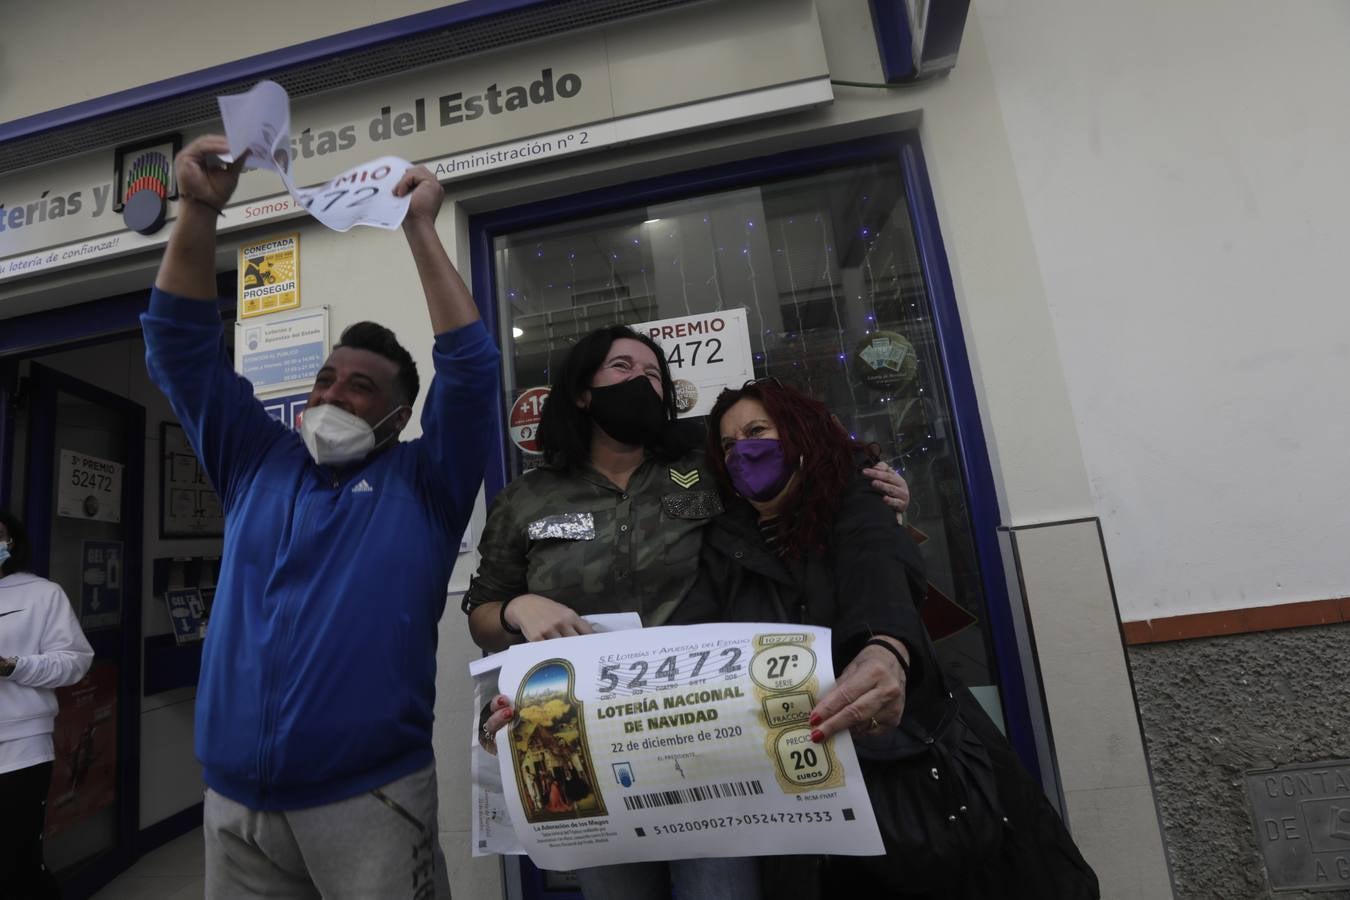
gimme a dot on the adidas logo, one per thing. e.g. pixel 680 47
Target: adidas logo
pixel 362 487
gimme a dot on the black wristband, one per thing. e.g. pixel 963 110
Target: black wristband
pixel 201 202
pixel 507 626
pixel 880 642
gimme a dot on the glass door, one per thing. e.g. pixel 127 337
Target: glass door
pixel 84 507
pixel 827 270
pixel 833 257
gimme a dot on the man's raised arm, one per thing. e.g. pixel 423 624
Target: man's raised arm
pixel 448 299
pixel 204 187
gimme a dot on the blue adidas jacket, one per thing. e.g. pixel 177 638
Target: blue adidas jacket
pixel 319 669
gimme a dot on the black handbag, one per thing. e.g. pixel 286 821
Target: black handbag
pixel 935 795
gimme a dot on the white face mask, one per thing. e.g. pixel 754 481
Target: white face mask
pixel 335 437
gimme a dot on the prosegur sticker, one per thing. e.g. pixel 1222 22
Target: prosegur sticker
pixel 270 275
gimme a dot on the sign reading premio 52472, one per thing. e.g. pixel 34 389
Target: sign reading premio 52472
pixel 269 275
pixel 90 488
pixel 706 353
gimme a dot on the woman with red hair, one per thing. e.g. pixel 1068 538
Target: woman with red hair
pixel 791 482
pixel 801 540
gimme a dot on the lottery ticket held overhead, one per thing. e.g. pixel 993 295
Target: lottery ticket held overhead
pixel 259 123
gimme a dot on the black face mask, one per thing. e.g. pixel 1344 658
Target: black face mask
pixel 631 412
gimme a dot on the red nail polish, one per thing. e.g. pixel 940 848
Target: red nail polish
pixel 817 736
pixel 815 719
pixel 509 713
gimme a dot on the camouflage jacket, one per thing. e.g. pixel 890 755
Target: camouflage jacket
pixel 575 537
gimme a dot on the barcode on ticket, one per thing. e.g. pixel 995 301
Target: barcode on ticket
pixel 694 794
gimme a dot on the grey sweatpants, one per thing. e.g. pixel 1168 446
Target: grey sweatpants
pixel 381 844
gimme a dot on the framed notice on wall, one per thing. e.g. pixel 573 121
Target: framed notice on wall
pixel 282 352
pixel 188 505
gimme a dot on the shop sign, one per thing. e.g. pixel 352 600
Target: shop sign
pixel 706 352
pixel 499 110
pixel 145 182
pixel 90 488
pixel 523 423
pixel 100 584
pixel 269 279
pixel 1302 818
pixel 284 352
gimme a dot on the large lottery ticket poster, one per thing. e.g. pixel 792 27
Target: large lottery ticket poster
pixel 668 743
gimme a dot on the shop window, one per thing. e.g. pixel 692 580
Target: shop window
pixel 827 269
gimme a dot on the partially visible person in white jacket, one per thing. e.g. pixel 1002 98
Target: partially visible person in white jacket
pixel 41 648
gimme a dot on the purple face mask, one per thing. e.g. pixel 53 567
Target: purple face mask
pixel 757 468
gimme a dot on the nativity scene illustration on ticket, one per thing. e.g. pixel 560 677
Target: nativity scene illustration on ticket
pixel 549 751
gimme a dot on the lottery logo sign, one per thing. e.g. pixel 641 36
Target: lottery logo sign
pixel 524 419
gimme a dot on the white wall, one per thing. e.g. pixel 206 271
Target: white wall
pixel 1183 169
pixel 45 49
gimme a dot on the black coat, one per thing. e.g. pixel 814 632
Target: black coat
pixel 868 580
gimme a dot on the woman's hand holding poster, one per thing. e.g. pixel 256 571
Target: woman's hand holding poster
pixel 668 743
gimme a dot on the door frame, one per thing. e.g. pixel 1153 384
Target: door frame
pixel 906 148
pixel 86 324
pixel 9 388
pixel 124 645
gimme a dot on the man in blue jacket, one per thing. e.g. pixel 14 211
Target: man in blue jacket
pixel 314 709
